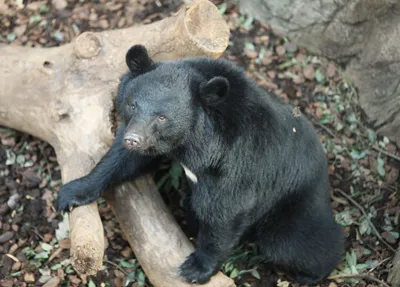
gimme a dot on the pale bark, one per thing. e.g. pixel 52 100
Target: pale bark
pixel 64 95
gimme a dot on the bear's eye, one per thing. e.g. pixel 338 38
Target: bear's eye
pixel 162 118
pixel 132 107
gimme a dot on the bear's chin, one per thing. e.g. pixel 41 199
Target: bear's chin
pixel 147 151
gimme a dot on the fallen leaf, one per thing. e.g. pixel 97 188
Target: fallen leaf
pixel 29 277
pixel 63 228
pixel 392 176
pixel 309 72
pixel 74 279
pixel 280 50
pixel 65 243
pixel 331 70
pixel 291 47
pixel 266 61
pixel 252 54
pixel 271 74
pixel 16 266
pixel 319 77
pixel 381 166
pixel 389 237
pixel 282 283
pixel 6 236
pixel 127 252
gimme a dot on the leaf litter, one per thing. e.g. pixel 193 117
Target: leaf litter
pixel 363 167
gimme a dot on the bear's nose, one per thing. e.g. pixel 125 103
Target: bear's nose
pixel 133 140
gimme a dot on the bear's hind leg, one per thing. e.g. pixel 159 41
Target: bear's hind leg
pixel 308 249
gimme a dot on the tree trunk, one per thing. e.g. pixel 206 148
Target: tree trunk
pixel 362 35
pixel 63 95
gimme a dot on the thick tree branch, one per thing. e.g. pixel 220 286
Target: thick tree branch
pixel 63 95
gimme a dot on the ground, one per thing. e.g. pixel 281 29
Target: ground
pixel 364 168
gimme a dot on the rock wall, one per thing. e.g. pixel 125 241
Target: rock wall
pixel 362 35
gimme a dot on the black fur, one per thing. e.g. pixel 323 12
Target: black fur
pixel 261 169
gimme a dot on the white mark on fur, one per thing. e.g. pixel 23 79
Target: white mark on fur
pixel 189 173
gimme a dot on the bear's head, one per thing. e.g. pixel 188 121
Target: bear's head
pixel 161 102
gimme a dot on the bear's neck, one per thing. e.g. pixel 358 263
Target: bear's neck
pixel 199 142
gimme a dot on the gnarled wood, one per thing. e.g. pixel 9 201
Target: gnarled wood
pixel 63 95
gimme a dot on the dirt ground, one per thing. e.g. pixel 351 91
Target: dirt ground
pixel 364 168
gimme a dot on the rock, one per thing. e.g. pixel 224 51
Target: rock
pixel 363 35
pixel 6 236
pixel 53 282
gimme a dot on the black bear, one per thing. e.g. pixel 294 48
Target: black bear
pixel 258 170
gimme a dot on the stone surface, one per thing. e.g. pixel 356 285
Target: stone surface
pixel 361 35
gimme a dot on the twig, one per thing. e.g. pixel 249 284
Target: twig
pixel 386 153
pixel 116 266
pixel 325 128
pixel 54 255
pixel 366 217
pixel 37 233
pixel 379 264
pixel 360 276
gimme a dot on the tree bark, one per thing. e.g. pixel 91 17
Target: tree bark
pixel 63 95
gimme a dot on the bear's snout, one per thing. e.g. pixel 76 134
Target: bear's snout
pixel 133 141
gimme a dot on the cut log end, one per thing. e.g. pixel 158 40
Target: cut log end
pixel 84 261
pixel 87 239
pixel 87 45
pixel 206 28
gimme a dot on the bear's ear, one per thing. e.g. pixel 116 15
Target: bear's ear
pixel 213 91
pixel 138 60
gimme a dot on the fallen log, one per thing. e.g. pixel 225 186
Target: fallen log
pixel 63 95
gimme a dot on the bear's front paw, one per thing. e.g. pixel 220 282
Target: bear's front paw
pixel 196 269
pixel 73 194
